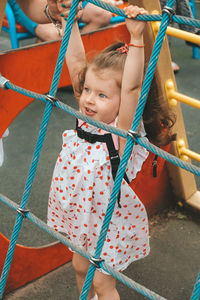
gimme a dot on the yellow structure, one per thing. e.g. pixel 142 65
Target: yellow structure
pixel 185 153
pixel 173 96
pixel 181 34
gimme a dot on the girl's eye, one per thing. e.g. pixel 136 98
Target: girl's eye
pixel 102 95
pixel 87 89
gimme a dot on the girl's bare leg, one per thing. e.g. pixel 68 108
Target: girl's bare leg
pixel 81 265
pixel 105 286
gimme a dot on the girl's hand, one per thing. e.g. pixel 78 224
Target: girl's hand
pixel 135 27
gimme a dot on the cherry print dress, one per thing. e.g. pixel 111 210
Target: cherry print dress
pixel 80 191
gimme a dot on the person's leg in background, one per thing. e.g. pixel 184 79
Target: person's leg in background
pixel 183 9
pixel 44 32
pixel 94 17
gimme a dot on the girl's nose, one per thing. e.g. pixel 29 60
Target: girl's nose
pixel 90 98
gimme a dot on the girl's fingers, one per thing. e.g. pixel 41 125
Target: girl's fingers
pixel 132 11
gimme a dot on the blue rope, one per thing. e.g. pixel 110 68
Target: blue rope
pixel 127 151
pixel 196 291
pixel 64 45
pixel 156 17
pixel 37 151
pixel 140 140
pixel 127 281
pixel 25 197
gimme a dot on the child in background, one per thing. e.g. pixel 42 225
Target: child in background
pixel 107 89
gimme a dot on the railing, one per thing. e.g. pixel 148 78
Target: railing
pixel 178 33
pixel 174 96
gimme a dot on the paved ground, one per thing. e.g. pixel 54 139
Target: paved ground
pixel 170 270
pixel 173 264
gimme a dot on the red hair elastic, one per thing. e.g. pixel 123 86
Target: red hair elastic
pixel 123 49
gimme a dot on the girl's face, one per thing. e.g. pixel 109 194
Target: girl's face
pixel 100 98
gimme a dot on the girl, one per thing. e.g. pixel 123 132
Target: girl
pixel 107 89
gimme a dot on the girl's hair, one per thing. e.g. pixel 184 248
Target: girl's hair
pixel 157 118
pixel 109 58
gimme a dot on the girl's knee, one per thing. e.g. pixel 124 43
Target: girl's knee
pixel 80 264
pixel 103 283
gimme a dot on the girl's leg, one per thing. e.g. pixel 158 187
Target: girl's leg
pixel 105 286
pixel 81 265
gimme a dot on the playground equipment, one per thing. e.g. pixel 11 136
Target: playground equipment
pixel 184 195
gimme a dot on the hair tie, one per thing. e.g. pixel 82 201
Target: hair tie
pixel 123 49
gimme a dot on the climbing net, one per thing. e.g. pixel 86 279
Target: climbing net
pixel 131 136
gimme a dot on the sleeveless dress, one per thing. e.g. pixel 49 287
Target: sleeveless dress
pixel 80 191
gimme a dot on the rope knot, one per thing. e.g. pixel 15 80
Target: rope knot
pixel 169 11
pixel 51 99
pixel 96 261
pixel 22 211
pixel 3 82
pixel 134 135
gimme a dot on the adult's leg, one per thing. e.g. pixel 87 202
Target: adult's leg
pixel 94 17
pixel 105 286
pixel 183 9
pixel 81 265
pixel 47 32
pixel 44 32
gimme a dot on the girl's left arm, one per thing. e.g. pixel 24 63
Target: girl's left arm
pixel 133 71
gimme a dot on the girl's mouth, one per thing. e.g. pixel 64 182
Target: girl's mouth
pixel 89 111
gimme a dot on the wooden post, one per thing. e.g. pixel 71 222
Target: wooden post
pixel 2 11
pixel 183 182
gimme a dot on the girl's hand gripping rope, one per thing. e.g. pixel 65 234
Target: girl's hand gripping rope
pixel 135 27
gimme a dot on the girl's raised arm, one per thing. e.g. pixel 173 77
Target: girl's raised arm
pixel 75 55
pixel 133 71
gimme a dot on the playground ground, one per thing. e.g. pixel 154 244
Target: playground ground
pixel 171 268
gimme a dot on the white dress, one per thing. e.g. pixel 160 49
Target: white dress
pixel 80 191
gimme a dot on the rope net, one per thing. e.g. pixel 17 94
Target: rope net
pixel 51 101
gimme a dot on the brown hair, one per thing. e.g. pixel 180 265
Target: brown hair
pixel 157 118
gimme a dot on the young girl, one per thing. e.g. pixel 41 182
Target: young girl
pixel 107 89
